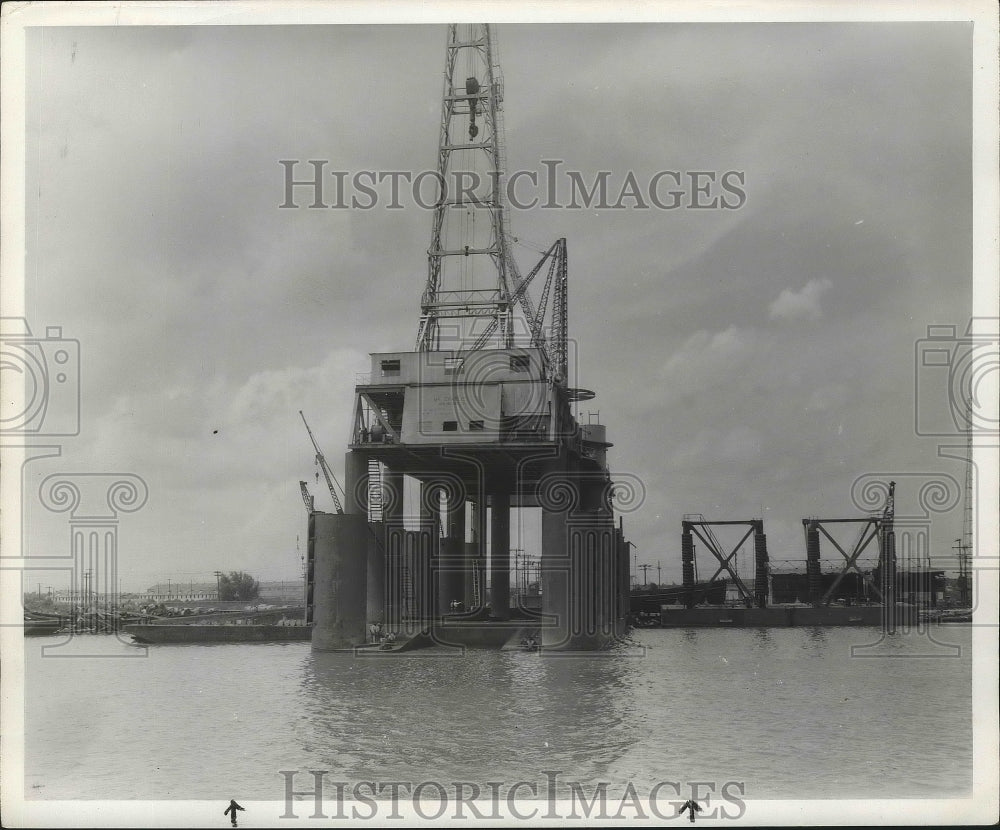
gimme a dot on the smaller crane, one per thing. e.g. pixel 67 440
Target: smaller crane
pixel 306 497
pixel 327 472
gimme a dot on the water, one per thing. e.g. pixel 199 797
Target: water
pixel 787 712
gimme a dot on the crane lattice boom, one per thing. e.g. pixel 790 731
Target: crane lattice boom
pixel 327 472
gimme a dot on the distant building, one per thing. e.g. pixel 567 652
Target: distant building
pixel 283 592
pixel 181 592
pixel 923 587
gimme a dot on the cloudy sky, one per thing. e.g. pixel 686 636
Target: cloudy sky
pixel 748 362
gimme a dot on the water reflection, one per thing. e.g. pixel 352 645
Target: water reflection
pixel 490 715
pixel 789 712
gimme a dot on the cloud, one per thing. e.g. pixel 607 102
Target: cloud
pixel 157 241
pixel 791 305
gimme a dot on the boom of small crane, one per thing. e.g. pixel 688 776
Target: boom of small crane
pixel 327 472
pixel 306 497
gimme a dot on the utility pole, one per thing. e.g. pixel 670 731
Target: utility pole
pixel 963 574
pixel 645 570
pixel 965 552
pixel 659 574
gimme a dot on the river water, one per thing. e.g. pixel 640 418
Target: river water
pixel 787 713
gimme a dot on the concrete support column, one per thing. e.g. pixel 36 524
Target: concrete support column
pixel 428 549
pixel 606 582
pixel 451 562
pixel 624 584
pixel 392 518
pixel 556 629
pixel 340 575
pixel 356 485
pixel 474 554
pixel 376 573
pixel 500 554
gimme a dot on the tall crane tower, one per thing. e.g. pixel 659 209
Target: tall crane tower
pixel 475 296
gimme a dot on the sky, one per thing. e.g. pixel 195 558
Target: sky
pixel 748 362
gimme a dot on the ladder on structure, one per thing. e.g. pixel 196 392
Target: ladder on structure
pixel 374 491
pixel 477 593
pixel 405 592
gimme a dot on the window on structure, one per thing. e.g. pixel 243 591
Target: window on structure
pixel 520 363
pixel 390 367
pixel 476 426
pixel 452 365
pixel 450 426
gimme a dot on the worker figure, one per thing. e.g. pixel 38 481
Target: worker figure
pixel 376 631
pixel 232 808
pixel 692 808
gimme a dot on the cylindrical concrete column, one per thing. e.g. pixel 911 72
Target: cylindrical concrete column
pixel 392 518
pixel 376 573
pixel 475 553
pixel 500 554
pixel 429 538
pixel 451 561
pixel 556 629
pixel 624 586
pixel 340 567
pixel 602 530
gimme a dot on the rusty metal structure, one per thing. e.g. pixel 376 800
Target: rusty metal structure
pixel 697 525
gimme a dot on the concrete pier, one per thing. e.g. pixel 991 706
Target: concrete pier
pixel 392 519
pixel 500 554
pixel 340 556
pixel 451 560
